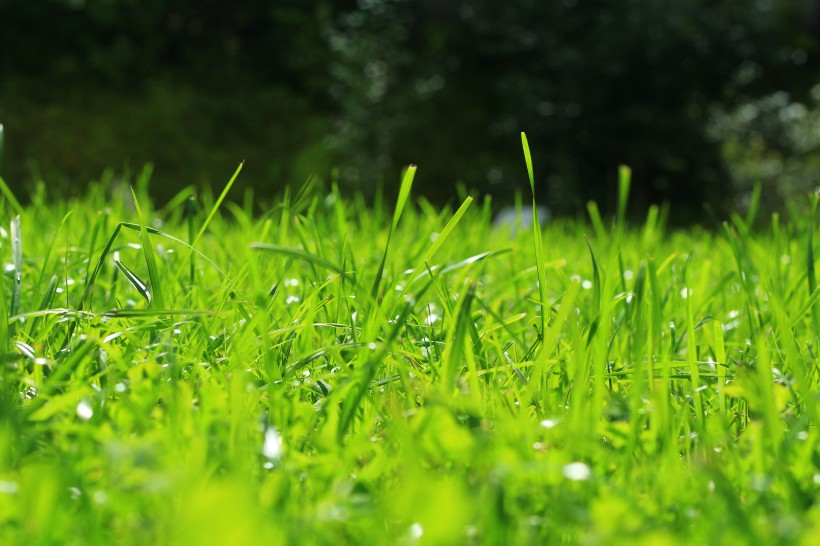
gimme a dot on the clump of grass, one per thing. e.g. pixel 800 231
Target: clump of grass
pixel 329 372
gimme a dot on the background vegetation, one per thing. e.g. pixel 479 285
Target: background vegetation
pixel 298 87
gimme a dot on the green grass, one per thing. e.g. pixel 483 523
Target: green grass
pixel 337 373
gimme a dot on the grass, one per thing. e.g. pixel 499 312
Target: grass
pixel 333 372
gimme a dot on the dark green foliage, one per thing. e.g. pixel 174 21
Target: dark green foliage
pixel 595 84
pixel 297 86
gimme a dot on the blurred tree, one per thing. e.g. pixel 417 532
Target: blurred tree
pixel 445 83
pixel 594 85
pixel 191 85
pixel 125 41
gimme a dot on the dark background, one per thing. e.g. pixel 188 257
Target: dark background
pixel 298 87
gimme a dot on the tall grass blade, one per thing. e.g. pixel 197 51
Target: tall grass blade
pixel 191 246
pixel 457 336
pixel 404 193
pixel 217 204
pixel 596 296
pixel 538 241
pixel 811 274
pixel 421 267
pixel 190 213
pixel 17 259
pixel 624 183
pixel 754 205
pixel 158 300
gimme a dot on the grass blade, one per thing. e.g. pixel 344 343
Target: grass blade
pixel 811 275
pixel 135 281
pixel 624 182
pixel 299 254
pixel 191 246
pixel 431 251
pixel 404 193
pixel 17 259
pixel 217 204
pixel 148 251
pixel 539 244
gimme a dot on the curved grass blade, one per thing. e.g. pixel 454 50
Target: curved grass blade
pixel 462 263
pixel 148 313
pixel 300 254
pixel 153 231
pixel 17 258
pixel 539 244
pixel 57 311
pixel 135 281
pixel 148 251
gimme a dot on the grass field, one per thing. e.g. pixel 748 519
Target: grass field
pixel 333 372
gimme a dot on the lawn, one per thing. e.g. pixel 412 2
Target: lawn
pixel 339 372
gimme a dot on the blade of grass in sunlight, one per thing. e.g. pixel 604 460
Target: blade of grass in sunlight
pixel 190 213
pixel 811 275
pixel 401 201
pixel 431 251
pixel 157 299
pixel 17 261
pixel 538 243
pixel 135 281
pixel 214 209
pixel 624 183
pixel 300 255
pixel 92 277
pixel 692 345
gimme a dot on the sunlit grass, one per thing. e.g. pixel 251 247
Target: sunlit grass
pixel 330 372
